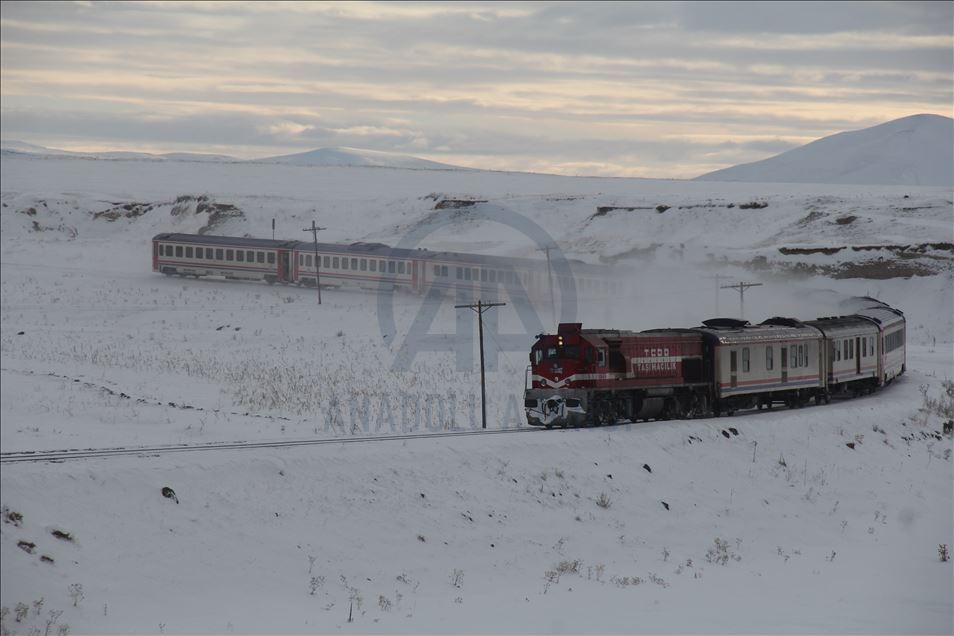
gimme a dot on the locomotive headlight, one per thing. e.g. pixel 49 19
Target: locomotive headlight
pixel 560 340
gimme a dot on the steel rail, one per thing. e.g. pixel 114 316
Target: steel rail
pixel 14 457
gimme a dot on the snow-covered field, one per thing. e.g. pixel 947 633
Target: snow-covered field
pixel 779 528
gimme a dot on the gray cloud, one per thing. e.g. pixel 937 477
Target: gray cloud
pixel 608 83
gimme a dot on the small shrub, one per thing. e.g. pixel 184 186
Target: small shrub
pixel 943 553
pixel 76 593
pixel 603 501
pixel 315 583
pixel 720 554
pixel 625 581
pixel 569 567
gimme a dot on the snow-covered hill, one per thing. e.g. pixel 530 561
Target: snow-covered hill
pixel 820 520
pixel 335 156
pixel 13 148
pixel 341 156
pixel 916 150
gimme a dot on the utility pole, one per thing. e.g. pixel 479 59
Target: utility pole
pixel 480 308
pixel 741 287
pixel 314 229
pixel 550 279
pixel 717 278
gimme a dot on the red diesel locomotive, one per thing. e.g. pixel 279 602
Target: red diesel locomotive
pixel 588 376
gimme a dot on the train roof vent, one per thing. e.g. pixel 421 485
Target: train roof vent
pixel 370 246
pixel 569 328
pixel 779 321
pixel 726 323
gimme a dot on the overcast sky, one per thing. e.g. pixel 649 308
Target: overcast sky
pixel 616 89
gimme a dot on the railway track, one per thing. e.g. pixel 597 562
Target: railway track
pixel 17 457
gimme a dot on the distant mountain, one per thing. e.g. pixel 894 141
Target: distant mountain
pixel 341 156
pixel 21 147
pixel 915 150
pixel 334 156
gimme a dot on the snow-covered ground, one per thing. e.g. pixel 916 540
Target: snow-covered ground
pixel 779 528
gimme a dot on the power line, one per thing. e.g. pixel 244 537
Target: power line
pixel 480 307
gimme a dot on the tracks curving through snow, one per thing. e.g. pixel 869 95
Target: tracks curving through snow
pixel 16 457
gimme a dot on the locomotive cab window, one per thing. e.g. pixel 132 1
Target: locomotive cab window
pixel 601 357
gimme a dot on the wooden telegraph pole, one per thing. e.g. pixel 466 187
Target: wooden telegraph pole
pixel 742 287
pixel 314 229
pixel 480 308
pixel 550 279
